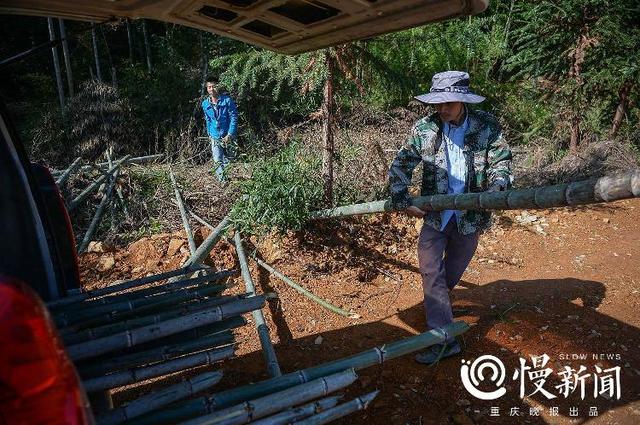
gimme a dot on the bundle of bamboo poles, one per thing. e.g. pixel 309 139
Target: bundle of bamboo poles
pixel 232 401
pixel 148 327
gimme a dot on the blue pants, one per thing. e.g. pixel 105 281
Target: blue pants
pixel 443 258
pixel 220 158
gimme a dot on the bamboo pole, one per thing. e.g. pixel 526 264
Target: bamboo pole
pixel 73 338
pixel 377 355
pixel 67 173
pixel 103 166
pixel 140 358
pixel 300 412
pixel 93 186
pixel 604 189
pixel 191 283
pixel 143 334
pixel 273 403
pixel 117 287
pixel 268 351
pixel 207 245
pixel 183 214
pixel 359 403
pixel 119 379
pixel 160 398
pixel 304 291
pixel 98 214
pixel 103 314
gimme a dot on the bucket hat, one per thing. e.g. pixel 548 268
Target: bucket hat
pixel 450 86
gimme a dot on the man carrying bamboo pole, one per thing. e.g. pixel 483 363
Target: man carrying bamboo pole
pixel 461 150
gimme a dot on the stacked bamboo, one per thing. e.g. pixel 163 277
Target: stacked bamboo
pixel 145 328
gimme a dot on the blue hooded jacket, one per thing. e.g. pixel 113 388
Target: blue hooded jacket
pixel 221 117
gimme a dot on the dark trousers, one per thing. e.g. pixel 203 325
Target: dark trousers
pixel 443 258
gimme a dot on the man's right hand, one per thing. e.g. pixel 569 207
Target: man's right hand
pixel 414 211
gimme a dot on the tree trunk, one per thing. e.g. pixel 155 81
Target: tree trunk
pixel 621 110
pixel 56 63
pixel 147 47
pixel 327 132
pixel 67 58
pixel 112 68
pixel 96 56
pixel 130 40
pixel 575 134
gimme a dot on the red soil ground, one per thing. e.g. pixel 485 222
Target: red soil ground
pixel 567 282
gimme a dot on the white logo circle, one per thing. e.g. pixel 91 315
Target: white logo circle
pixel 473 373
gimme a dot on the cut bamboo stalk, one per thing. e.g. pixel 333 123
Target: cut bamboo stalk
pixel 268 351
pixel 130 324
pixel 105 366
pixel 118 379
pixel 604 189
pixel 168 327
pixel 305 292
pixel 96 184
pixel 154 290
pixel 207 245
pixel 121 286
pixel 378 355
pixel 183 214
pixel 105 165
pixel 160 398
pixel 95 221
pixel 300 412
pixel 359 403
pixel 103 314
pixel 273 403
pixel 67 173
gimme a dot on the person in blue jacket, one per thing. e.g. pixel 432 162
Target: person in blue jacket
pixel 221 118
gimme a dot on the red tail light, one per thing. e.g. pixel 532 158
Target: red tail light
pixel 38 383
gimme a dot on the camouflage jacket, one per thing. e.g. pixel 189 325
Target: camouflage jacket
pixel 486 153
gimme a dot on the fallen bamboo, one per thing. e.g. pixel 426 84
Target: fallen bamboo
pixel 207 245
pixel 130 324
pixel 98 214
pixel 604 189
pixel 268 351
pixel 300 412
pixel 154 290
pixel 340 411
pixel 378 355
pixel 137 336
pixel 105 165
pixel 94 186
pixel 121 286
pixel 131 376
pixel 104 314
pixel 159 354
pixel 183 215
pixel 64 176
pixel 273 403
pixel 160 398
pixel 305 292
